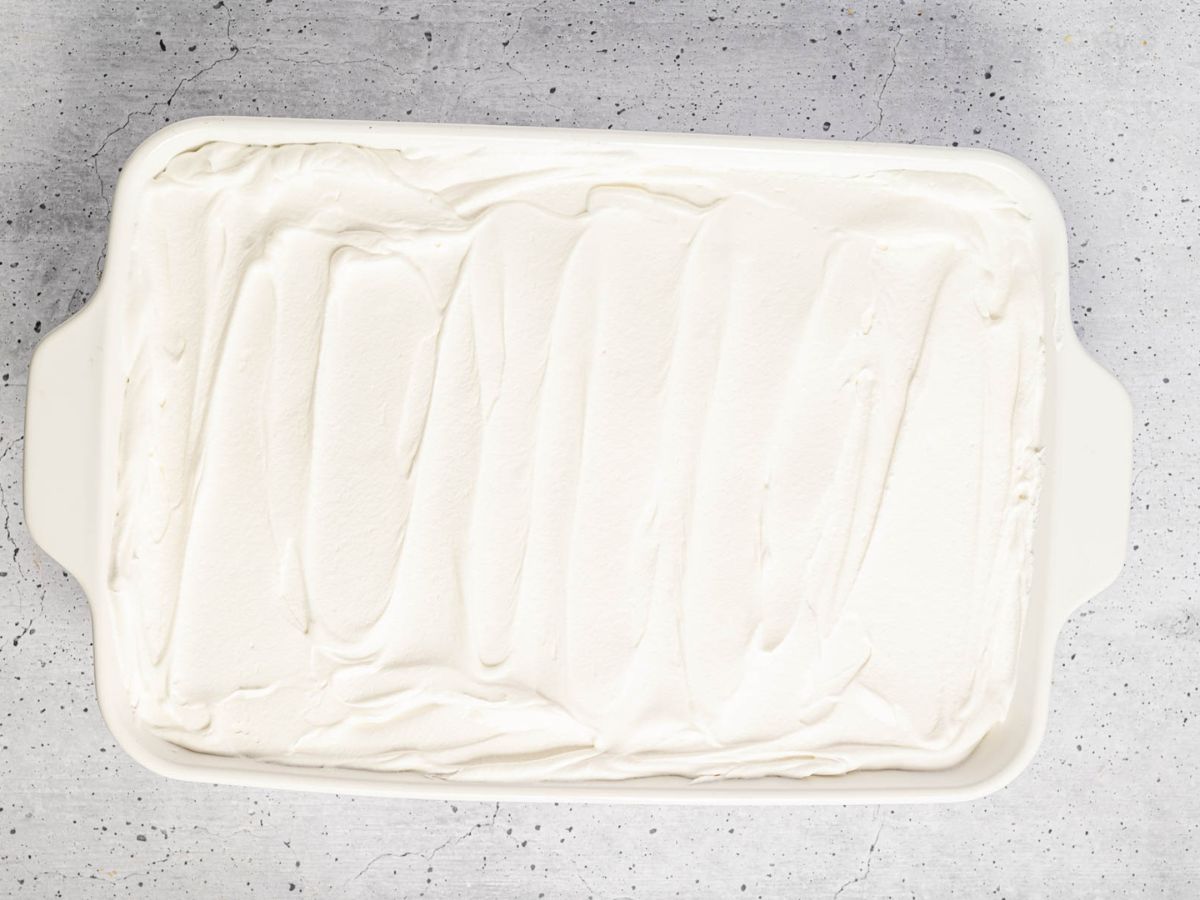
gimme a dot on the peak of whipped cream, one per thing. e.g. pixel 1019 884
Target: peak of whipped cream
pixel 543 462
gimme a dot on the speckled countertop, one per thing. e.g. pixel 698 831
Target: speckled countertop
pixel 1099 97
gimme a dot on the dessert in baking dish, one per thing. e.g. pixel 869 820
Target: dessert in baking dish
pixel 521 463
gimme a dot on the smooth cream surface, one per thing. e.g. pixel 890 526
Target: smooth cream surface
pixel 532 461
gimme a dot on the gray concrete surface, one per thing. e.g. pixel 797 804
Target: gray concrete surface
pixel 1100 97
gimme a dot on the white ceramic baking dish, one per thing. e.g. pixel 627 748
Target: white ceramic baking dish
pixel 73 414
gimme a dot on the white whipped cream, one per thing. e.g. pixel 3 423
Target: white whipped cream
pixel 535 462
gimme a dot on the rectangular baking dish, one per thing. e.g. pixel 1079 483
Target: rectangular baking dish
pixel 74 409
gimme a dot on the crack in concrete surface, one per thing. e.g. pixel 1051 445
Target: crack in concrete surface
pixel 428 855
pixel 882 90
pixel 866 869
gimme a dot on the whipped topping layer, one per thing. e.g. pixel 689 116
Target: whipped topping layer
pixel 536 460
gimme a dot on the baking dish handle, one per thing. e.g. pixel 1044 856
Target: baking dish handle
pixel 1091 482
pixel 62 429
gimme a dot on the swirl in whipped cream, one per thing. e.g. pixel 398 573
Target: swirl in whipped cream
pixel 539 462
